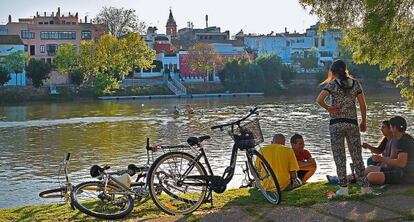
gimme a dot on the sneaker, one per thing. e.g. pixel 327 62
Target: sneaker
pixel 343 191
pixel 332 179
pixel 366 190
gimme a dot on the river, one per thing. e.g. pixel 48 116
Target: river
pixel 35 137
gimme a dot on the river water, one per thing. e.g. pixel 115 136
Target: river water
pixel 35 137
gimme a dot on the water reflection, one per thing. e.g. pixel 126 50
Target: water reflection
pixel 35 137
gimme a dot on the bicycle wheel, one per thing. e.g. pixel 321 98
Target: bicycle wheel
pixel 54 193
pixel 265 179
pixel 171 190
pixel 93 199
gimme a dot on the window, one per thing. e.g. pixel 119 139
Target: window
pixel 32 50
pixel 86 35
pixel 63 22
pixel 46 23
pixel 26 34
pixel 287 43
pixel 316 41
pixel 42 49
pixel 51 49
pixel 49 60
pixel 43 59
pixel 322 42
pixel 26 48
pixel 58 35
pixel 51 22
pixel 40 23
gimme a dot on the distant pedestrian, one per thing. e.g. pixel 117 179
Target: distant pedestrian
pixel 343 91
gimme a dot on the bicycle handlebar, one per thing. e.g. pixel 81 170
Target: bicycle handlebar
pixel 252 111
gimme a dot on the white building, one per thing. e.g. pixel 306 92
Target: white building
pixel 8 45
pixel 285 44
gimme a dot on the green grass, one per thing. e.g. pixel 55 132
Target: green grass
pixel 304 196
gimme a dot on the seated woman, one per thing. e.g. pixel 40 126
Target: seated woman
pixel 399 170
pixel 387 148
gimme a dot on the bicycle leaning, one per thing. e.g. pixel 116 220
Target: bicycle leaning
pixel 179 183
pixel 65 187
pixel 112 196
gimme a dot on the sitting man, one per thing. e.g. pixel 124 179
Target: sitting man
pixel 283 162
pixel 401 169
pixel 307 164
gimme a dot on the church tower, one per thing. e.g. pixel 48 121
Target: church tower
pixel 171 26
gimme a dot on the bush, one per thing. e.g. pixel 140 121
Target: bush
pixel 76 78
pixel 38 71
pixel 4 75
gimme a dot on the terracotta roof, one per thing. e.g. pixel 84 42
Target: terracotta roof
pixel 10 40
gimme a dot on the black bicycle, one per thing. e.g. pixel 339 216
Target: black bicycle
pixel 179 183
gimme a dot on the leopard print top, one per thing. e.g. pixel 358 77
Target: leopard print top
pixel 344 98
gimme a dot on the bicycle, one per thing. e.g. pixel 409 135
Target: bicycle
pixel 112 197
pixel 185 183
pixel 65 189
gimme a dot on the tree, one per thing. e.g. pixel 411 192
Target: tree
pixel 4 75
pixel 66 59
pixel 38 71
pixel 377 32
pixel 120 21
pixel 106 61
pixel 201 58
pixel 15 62
pixel 306 60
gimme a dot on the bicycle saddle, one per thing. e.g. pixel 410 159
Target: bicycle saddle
pixel 133 169
pixel 192 141
pixel 97 170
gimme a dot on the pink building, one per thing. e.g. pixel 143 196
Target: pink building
pixel 43 34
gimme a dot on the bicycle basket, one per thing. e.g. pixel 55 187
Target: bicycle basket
pixel 252 129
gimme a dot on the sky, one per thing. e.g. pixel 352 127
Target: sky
pixel 253 16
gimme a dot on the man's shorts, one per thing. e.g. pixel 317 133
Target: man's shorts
pixel 393 175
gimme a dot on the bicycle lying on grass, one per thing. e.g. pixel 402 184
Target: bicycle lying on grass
pixel 112 197
pixel 179 183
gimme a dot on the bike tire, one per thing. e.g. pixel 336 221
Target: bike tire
pixel 273 195
pixel 54 193
pixel 155 190
pixel 97 185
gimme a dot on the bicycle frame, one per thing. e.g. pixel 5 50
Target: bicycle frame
pixel 229 171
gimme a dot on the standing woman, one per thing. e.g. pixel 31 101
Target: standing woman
pixel 343 91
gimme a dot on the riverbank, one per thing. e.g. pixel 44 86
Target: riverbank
pixel 307 203
pixel 68 93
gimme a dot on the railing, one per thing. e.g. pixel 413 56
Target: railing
pixel 176 87
pixel 180 86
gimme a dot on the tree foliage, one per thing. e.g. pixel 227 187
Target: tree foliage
pixel 201 58
pixel 308 59
pixel 110 57
pixel 4 75
pixel 38 71
pixel 120 21
pixel 15 62
pixel 261 75
pixel 379 32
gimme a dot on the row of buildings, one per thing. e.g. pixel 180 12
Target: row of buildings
pixel 41 35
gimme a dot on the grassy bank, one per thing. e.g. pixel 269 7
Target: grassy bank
pixel 304 196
